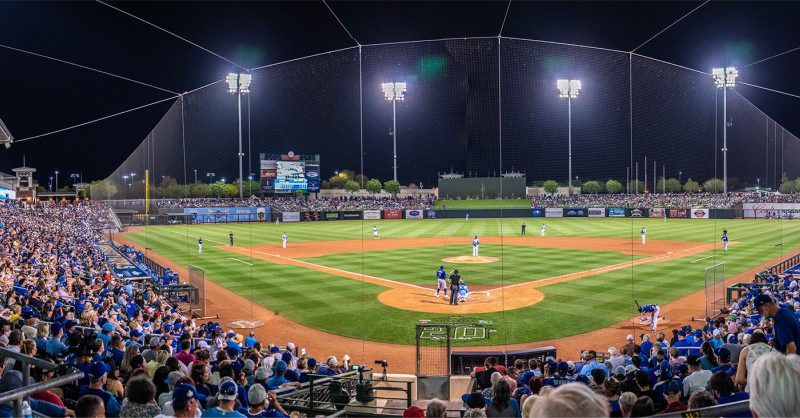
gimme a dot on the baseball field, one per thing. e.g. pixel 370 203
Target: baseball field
pixel 584 275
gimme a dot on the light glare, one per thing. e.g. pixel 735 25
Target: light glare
pixel 394 90
pixel 725 77
pixel 568 88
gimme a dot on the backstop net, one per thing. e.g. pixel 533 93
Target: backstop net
pixel 715 289
pixel 197 278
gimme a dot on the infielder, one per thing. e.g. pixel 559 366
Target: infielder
pixel 199 245
pixel 644 235
pixel 475 244
pixel 544 228
pixel 654 310
pixel 725 239
pixel 375 232
pixel 284 238
pixel 441 279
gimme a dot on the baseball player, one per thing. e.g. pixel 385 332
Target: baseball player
pixel 665 215
pixel 475 244
pixel 463 292
pixel 523 228
pixel 466 218
pixel 277 221
pixel 230 238
pixel 375 232
pixel 644 235
pixel 455 282
pixel 199 245
pixel 284 238
pixel 441 279
pixel 654 310
pixel 725 239
pixel 544 228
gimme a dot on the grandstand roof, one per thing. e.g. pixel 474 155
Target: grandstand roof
pixel 124 39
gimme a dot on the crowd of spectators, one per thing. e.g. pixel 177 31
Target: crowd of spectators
pixel 659 200
pixel 295 204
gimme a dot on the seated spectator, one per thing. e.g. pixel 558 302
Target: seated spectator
pixel 774 384
pixel 97 380
pixel 701 399
pixel 140 398
pixel 611 392
pixel 90 406
pixel 436 408
pixel 724 359
pixel 672 391
pixel 475 402
pixel 626 402
pixel 258 397
pixel 708 360
pixel 643 407
pixel 698 379
pixel 571 400
pixel 228 392
pixel 185 402
pixel 722 387
pixel 330 368
pixel 502 404
pixel 593 363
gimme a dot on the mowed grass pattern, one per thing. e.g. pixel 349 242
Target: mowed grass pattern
pixel 340 306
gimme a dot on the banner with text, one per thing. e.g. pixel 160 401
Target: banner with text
pixel 657 212
pixel 537 212
pixel 291 216
pixel 699 213
pixel 393 214
pixel 414 214
pixel 678 213
pixel 372 214
pixel 616 212
pixel 772 210
pixel 554 212
pixel 597 212
pixel 576 212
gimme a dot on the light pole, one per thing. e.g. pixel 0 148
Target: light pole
pixel 239 84
pixel 74 177
pixel 250 183
pixel 195 175
pixel 50 184
pixel 758 183
pixel 56 180
pixel 393 92
pixel 569 89
pixel 725 78
pixel 211 177
pixel 680 173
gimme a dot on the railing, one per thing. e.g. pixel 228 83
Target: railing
pixel 784 265
pixel 725 410
pixel 18 395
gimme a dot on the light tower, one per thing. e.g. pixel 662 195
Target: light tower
pixel 569 89
pixel 725 78
pixel 393 92
pixel 239 84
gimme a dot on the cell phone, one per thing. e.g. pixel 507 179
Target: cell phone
pixel 354 367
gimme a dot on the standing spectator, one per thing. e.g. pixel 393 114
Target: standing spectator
pixel 184 356
pixel 698 379
pixel 484 377
pixel 787 326
pixel 758 347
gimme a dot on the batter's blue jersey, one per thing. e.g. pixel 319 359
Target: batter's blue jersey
pixel 441 274
pixel 724 238
pixel 649 308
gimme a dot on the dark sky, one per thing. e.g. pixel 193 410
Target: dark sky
pixel 40 95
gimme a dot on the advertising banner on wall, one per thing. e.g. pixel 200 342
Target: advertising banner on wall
pixel 657 212
pixel 351 214
pixel 331 216
pixel 430 214
pixel 393 214
pixel 771 210
pixel 312 217
pixel 637 213
pixel 597 212
pixel 312 176
pixel 576 212
pixel 678 213
pixel 413 214
pixel 238 214
pixel 616 212
pixel 291 216
pixel 262 215
pixel 699 213
pixel 372 214
pixel 554 212
pixel 537 212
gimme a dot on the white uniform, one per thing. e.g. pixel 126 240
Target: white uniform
pixel 644 235
pixel 475 244
pixel 200 246
pixel 375 232
pixel 284 238
pixel 467 217
pixel 277 221
pixel 544 227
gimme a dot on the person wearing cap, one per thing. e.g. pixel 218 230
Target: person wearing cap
pixel 787 326
pixel 185 402
pixel 595 364
pixel 697 379
pixel 54 345
pixel 724 361
pixel 672 392
pixel 12 380
pixel 136 336
pixel 722 387
pixel 97 379
pixel 628 348
pixel 258 398
pixel 330 368
pixel 291 374
pixel 172 381
pixel 278 381
pixel 228 391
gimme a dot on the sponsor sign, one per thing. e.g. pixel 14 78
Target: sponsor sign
pixel 771 210
pixel 312 176
pixel 312 217
pixel 393 214
pixel 430 214
pixel 597 212
pixel 262 215
pixel 554 212
pixel 331 216
pixel 657 212
pixel 616 212
pixel 353 214
pixel 699 213
pixel 291 217
pixel 537 212
pixel 372 214
pixel 235 214
pixel 678 213
pixel 637 213
pixel 414 214
pixel 576 212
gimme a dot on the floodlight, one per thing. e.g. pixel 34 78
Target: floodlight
pixel 394 90
pixel 725 77
pixel 238 82
pixel 5 136
pixel 568 88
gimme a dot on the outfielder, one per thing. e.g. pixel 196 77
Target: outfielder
pixel 466 218
pixel 284 238
pixel 199 245
pixel 277 221
pixel 524 227
pixel 475 244
pixel 544 228
pixel 654 310
pixel 644 235
pixel 441 279
pixel 230 237
pixel 375 232
pixel 725 239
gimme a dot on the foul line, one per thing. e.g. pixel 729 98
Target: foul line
pixel 712 255
pixel 243 262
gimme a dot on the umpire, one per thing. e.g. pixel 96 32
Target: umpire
pixel 455 281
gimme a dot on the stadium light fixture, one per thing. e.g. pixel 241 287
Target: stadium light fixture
pixel 56 172
pixel 5 136
pixel 394 91
pixel 238 84
pixel 211 177
pixel 725 78
pixel 569 89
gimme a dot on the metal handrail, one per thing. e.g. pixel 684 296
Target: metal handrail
pixel 16 355
pixel 17 395
pixel 724 410
pixel 26 391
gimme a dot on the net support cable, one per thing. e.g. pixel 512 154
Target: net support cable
pixel 762 112
pixel 670 25
pixel 171 33
pixel 503 25
pixel 771 57
pixel 340 23
pixel 769 89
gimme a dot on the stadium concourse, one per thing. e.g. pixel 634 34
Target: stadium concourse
pixel 140 355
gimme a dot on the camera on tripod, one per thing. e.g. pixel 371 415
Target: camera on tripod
pixel 383 363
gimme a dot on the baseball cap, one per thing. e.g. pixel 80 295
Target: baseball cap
pixel 630 368
pixel 619 370
pixel 672 388
pixel 185 392
pixel 562 367
pixel 286 356
pixel 249 365
pixel 108 327
pixel 682 333
pixel 275 349
pixel 475 400
pixel 414 412
pixel 172 378
pixel 629 337
pixel 55 328
pixel 724 354
pixel 137 361
pixel 312 362
pixel 257 394
pixel 760 301
pixel 202 344
pixel 228 391
pixel 280 366
pixel 136 333
pixel 582 379
pixel 441 267
pixel 333 361
pixel 261 373
pixel 97 370
pixel 666 370
pixel 290 346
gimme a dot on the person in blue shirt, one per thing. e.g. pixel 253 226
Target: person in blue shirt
pixel 441 281
pixel 787 326
pixel 724 359
pixel 725 239
pixel 258 397
pixel 723 388
pixel 97 379
pixel 654 310
pixel 226 396
pixel 54 345
pixel 591 365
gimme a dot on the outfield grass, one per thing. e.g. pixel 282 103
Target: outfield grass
pixel 340 306
pixel 482 204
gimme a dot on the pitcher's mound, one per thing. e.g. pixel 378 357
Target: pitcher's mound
pixel 644 320
pixel 468 259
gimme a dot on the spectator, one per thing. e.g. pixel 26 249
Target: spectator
pixel 701 399
pixel 330 368
pixel 172 381
pixel 672 391
pixel 616 359
pixel 628 348
pixel 709 360
pixel 774 385
pixel 646 347
pixel 611 392
pixel 228 391
pixel 787 326
pixel 643 407
pixel 436 408
pixel 257 397
pixel 97 380
pixel 12 380
pixel 626 402
pixel 756 349
pixel 594 364
pixel 571 400
pixel 184 356
pixel 484 377
pixel 140 399
pixel 90 406
pixel 185 402
pixel 724 390
pixel 698 379
pixel 475 402
pixel 503 405
pixel 643 381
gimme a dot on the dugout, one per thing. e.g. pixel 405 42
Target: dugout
pixel 482 187
pixel 463 362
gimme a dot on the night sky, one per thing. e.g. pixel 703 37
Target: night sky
pixel 41 95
